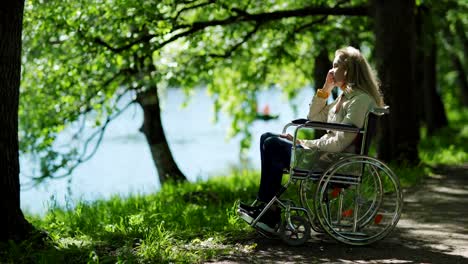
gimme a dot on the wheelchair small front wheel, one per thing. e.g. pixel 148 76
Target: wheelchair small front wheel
pixel 296 232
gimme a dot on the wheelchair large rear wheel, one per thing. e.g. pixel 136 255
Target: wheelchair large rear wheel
pixel 358 200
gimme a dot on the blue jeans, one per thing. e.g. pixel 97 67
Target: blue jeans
pixel 275 154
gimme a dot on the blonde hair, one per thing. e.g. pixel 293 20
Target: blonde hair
pixel 359 74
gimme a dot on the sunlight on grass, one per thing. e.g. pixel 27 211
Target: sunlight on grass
pixel 410 175
pixel 183 223
pixel 449 145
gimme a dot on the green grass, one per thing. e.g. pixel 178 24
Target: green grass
pixel 184 223
pixel 410 175
pixel 448 146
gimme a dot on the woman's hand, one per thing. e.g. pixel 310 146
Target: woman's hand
pixel 329 82
pixel 287 136
pixel 290 138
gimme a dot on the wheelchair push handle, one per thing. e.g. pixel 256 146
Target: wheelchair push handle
pixel 300 121
pixel 381 110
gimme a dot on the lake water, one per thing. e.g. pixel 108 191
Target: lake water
pixel 123 164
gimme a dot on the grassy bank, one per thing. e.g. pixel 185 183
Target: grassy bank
pixel 181 223
pixel 185 223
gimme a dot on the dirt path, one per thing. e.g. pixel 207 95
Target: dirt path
pixel 432 229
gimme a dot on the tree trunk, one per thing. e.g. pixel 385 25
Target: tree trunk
pixel 394 23
pixel 14 226
pixel 419 71
pixel 154 132
pixel 462 79
pixel 433 111
pixel 461 33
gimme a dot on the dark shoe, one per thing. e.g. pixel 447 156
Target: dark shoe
pixel 249 207
pixel 269 221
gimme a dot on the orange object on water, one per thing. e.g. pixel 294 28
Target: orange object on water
pixel 336 191
pixel 348 213
pixel 378 219
pixel 266 110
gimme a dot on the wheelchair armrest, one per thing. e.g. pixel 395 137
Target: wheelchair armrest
pixel 295 122
pixel 300 121
pixel 332 126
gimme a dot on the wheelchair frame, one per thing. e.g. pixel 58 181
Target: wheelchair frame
pixel 296 229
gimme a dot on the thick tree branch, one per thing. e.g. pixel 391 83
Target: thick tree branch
pixel 241 17
pixel 240 11
pixel 277 15
pixel 310 24
pixel 290 35
pixel 143 39
pixel 187 2
pixel 319 20
pixel 193 7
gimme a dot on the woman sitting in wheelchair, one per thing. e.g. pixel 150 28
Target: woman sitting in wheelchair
pixel 360 93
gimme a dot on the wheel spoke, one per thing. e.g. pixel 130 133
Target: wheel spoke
pixel 367 207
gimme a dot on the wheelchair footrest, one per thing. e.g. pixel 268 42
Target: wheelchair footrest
pixel 259 225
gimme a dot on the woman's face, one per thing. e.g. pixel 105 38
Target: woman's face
pixel 338 71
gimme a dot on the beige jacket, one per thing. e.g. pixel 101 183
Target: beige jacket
pixel 353 110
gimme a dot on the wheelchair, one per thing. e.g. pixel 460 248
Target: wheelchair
pixel 354 198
